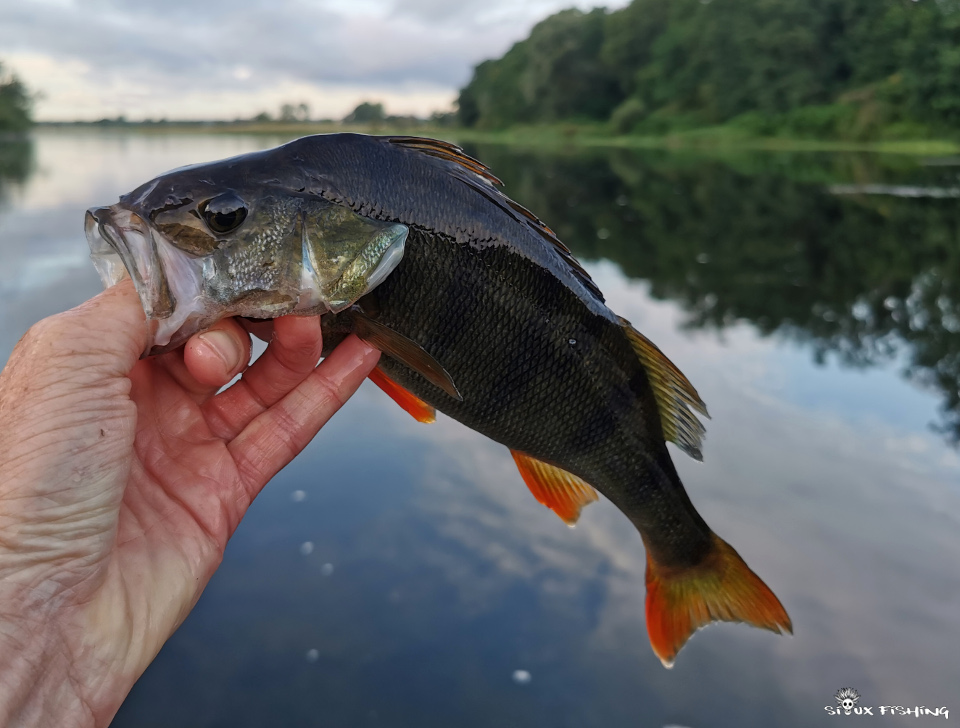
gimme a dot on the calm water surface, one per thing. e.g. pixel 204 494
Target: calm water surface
pixel 398 574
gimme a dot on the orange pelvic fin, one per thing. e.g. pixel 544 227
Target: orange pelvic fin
pixel 558 490
pixel 420 410
pixel 721 588
pixel 675 395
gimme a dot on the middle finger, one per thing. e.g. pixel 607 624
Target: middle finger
pixel 290 358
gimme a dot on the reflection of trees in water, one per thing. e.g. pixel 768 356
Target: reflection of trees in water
pixel 16 163
pixel 863 277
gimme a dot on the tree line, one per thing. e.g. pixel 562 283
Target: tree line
pixel 845 68
pixel 14 103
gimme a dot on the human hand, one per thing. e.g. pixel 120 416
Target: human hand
pixel 122 481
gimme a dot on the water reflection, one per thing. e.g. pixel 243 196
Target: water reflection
pixel 16 163
pixel 432 578
pixel 871 279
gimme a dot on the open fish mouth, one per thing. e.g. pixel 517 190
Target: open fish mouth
pixel 122 243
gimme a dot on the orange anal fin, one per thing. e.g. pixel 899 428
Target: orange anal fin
pixel 558 490
pixel 421 411
pixel 721 588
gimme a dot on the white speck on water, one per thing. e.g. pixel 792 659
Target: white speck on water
pixel 298 496
pixel 571 341
pixel 603 233
pixel 313 655
pixel 326 569
pixel 521 677
pixel 861 310
pixel 306 548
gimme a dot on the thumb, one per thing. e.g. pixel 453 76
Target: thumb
pixel 108 332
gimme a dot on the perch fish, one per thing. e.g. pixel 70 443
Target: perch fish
pixel 481 312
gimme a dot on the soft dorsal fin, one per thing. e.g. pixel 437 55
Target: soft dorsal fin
pixel 558 490
pixel 416 407
pixel 675 395
pixel 483 181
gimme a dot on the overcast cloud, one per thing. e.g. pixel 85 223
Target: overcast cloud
pixel 222 59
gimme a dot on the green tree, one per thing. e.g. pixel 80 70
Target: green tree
pixel 295 112
pixel 15 103
pixel 555 74
pixel 366 113
pixel 850 68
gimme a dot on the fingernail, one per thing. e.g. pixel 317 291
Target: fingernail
pixel 224 346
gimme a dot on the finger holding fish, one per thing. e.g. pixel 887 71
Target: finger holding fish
pixel 289 359
pixel 210 359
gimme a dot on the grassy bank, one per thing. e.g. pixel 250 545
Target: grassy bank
pixel 554 135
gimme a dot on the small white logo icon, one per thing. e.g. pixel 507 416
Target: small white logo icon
pixel 847 698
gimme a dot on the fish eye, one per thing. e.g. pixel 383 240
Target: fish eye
pixel 223 213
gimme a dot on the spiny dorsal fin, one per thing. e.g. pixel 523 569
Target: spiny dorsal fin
pixel 675 395
pixel 448 151
pixel 482 180
pixel 558 490
pixel 416 407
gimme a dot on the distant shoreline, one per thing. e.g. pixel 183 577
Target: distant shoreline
pixel 556 135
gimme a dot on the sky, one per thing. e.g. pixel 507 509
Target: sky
pixel 224 59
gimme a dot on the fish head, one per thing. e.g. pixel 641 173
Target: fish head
pixel 211 241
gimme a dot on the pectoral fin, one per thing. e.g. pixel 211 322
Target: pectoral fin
pixel 420 410
pixel 558 490
pixel 404 350
pixel 675 395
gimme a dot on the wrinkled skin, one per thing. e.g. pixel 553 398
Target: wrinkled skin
pixel 123 481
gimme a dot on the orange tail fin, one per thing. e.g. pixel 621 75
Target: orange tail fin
pixel 721 588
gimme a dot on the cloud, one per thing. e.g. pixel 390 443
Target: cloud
pixel 128 52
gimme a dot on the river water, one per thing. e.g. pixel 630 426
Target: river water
pixel 398 574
